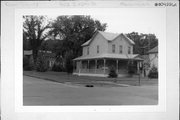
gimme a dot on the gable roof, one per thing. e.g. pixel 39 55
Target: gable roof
pixel 145 58
pixel 154 50
pixel 108 36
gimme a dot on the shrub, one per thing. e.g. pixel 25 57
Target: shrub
pixel 41 63
pixel 58 68
pixel 153 73
pixel 112 73
pixel 26 64
pixel 58 65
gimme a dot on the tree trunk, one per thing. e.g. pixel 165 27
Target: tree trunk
pixel 35 53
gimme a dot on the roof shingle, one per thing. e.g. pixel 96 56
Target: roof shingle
pixel 108 36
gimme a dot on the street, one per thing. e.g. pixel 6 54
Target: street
pixel 43 92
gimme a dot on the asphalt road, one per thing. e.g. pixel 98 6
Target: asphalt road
pixel 43 92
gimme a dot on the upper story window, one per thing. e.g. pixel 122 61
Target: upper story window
pixel 129 50
pixel 120 49
pixel 87 50
pixel 113 48
pixel 97 48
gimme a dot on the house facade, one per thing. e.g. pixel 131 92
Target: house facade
pixel 105 51
pixel 153 57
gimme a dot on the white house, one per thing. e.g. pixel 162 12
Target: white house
pixel 153 57
pixel 105 50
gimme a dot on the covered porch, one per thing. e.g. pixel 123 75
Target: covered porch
pixel 102 66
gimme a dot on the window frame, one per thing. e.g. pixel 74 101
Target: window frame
pixel 97 48
pixel 113 48
pixel 120 49
pixel 129 49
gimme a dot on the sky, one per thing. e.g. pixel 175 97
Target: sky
pixel 125 20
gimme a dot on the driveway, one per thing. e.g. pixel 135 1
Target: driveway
pixel 43 92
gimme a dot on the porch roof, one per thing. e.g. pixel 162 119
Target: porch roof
pixel 110 56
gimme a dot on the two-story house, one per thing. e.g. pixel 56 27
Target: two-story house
pixel 105 50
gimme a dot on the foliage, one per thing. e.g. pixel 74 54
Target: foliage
pixel 27 64
pixel 58 65
pixel 153 73
pixel 34 28
pixel 74 31
pixel 41 63
pixel 112 72
pixel 143 42
pixel 58 68
pixel 68 62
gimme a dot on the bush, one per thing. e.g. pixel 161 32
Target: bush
pixel 58 68
pixel 153 73
pixel 58 65
pixel 26 64
pixel 112 73
pixel 41 63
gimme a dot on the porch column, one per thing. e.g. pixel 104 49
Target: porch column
pixel 117 66
pixel 104 66
pixel 138 66
pixel 95 65
pixel 80 62
pixel 73 66
pixel 88 66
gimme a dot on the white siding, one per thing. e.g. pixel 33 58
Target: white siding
pixel 85 50
pixel 120 41
pixel 98 41
pixel 154 59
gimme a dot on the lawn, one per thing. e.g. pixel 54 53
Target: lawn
pixel 100 81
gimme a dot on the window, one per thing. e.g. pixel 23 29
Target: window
pixel 97 48
pixel 120 49
pixel 88 51
pixel 129 50
pixel 113 48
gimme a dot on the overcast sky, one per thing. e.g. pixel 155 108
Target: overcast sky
pixel 125 20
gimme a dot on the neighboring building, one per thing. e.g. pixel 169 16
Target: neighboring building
pixel 150 60
pixel 103 51
pixel 28 54
pixel 153 57
pixel 145 67
pixel 49 56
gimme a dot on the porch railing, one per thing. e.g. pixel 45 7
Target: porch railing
pixel 98 71
pixel 91 71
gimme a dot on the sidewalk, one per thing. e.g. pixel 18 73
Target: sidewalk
pixel 63 77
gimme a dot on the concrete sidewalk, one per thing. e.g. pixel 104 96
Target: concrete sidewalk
pixel 63 77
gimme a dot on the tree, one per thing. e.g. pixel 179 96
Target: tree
pixel 74 31
pixel 34 30
pixel 68 61
pixel 143 42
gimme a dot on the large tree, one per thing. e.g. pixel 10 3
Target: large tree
pixel 143 42
pixel 74 31
pixel 34 31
